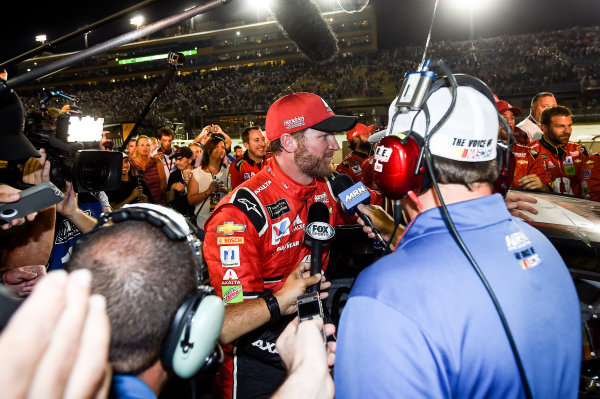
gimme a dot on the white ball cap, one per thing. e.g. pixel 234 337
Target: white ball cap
pixel 470 132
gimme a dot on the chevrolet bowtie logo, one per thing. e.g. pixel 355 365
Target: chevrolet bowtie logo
pixel 229 228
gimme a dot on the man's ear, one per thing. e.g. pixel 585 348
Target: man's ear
pixel 288 143
pixel 544 129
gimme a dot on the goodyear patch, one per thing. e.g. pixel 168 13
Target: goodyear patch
pixel 232 293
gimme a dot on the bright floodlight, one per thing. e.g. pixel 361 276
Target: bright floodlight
pixel 261 4
pixel 137 21
pixel 40 38
pixel 471 4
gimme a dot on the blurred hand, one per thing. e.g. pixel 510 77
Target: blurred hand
pixel 178 186
pixel 10 194
pixel 158 155
pixel 56 343
pixel 307 360
pixel 532 182
pixel 68 206
pixel 515 203
pixel 37 170
pixel 22 280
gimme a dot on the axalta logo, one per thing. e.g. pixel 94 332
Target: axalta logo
pixel 294 122
pixel 288 246
pixel 354 194
pixel 265 185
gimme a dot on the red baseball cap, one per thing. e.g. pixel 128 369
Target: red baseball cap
pixel 299 111
pixel 503 106
pixel 359 130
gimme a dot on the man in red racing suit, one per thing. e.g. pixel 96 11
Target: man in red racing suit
pixel 254 242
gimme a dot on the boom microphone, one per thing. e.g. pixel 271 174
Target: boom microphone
pixel 302 22
pixel 318 233
pixel 350 195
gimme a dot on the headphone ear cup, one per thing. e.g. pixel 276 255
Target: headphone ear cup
pixel 395 164
pixel 191 342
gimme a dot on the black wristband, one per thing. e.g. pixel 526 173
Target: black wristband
pixel 273 307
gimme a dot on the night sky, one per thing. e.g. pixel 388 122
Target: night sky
pixel 400 22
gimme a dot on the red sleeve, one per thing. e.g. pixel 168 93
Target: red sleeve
pixel 232 252
pixel 593 181
pixel 236 176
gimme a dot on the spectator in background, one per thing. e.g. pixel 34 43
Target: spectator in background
pixel 238 152
pixel 150 169
pixel 208 183
pixel 166 152
pixel 253 158
pixel 520 158
pixel 360 149
pixel 562 160
pixel 131 147
pixel 532 125
pixel 133 189
pixel 177 188
pixel 197 151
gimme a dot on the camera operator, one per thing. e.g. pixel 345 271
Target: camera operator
pixel 25 242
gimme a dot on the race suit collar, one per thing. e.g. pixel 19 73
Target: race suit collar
pixel 297 190
pixel 559 151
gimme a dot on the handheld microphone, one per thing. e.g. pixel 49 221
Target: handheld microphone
pixel 317 234
pixel 350 195
pixel 302 22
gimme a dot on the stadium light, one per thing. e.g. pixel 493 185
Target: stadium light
pixel 261 4
pixel 137 21
pixel 40 38
pixel 474 5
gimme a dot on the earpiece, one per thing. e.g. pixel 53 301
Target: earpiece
pixel 190 344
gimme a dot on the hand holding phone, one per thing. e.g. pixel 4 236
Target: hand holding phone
pixel 31 200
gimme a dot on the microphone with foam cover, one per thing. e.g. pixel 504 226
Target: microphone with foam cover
pixel 351 6
pixel 317 234
pixel 350 195
pixel 302 22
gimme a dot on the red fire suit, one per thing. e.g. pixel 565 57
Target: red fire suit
pixel 590 184
pixel 254 240
pixel 564 165
pixel 351 165
pixel 243 168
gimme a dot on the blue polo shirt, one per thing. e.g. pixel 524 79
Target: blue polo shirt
pixel 420 324
pixel 129 387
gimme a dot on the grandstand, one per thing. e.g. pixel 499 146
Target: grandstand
pixel 233 73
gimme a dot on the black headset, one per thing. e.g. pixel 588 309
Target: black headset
pixel 410 152
pixel 190 344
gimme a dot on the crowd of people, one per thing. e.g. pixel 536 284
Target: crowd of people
pixel 208 258
pixel 511 65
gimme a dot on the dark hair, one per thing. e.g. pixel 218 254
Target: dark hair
pixel 236 147
pixel 246 133
pixel 143 287
pixel 557 110
pixel 448 171
pixel 209 147
pixel 165 131
pixel 535 98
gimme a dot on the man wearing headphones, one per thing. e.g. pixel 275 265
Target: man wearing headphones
pixel 150 305
pixel 254 246
pixel 473 302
